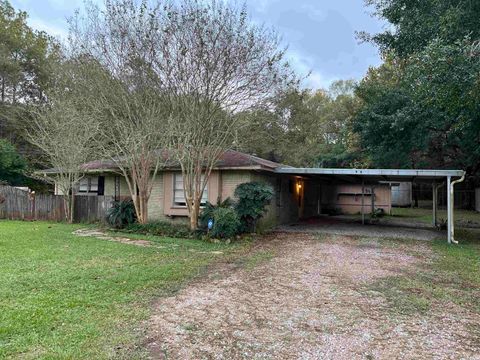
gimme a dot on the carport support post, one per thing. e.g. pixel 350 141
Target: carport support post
pixel 434 198
pixel 363 201
pixel 373 200
pixel 449 210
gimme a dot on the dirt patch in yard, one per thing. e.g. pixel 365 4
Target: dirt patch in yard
pixel 312 299
pixel 104 236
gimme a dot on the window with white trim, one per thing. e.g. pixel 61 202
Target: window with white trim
pixel 179 194
pixel 88 185
pixel 93 184
pixel 83 185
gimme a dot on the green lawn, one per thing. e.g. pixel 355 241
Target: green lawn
pixel 462 217
pixel 64 296
pixel 453 276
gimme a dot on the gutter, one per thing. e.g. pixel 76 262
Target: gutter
pixel 452 184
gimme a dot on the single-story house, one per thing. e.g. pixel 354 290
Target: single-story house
pixel 297 196
pixel 299 192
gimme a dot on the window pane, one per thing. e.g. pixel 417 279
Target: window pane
pixel 204 195
pixel 179 196
pixel 93 184
pixel 178 181
pixel 83 186
pixel 178 192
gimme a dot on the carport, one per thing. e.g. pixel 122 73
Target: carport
pixel 370 177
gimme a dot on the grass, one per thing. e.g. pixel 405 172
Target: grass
pixel 64 296
pixel 452 277
pixel 425 215
pixel 69 297
pixel 250 262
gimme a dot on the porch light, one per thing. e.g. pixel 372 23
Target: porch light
pixel 299 187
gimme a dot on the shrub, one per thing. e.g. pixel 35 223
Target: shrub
pixel 253 197
pixel 121 214
pixel 207 211
pixel 442 224
pixel 334 211
pixel 378 213
pixel 161 228
pixel 225 223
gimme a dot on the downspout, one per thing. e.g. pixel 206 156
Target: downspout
pixel 452 205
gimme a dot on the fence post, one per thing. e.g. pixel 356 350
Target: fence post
pixel 32 198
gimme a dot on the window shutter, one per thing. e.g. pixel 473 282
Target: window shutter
pixel 101 185
pixel 117 188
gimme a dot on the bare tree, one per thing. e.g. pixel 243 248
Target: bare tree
pixel 120 40
pixel 203 59
pixel 66 137
pixel 134 139
pixel 212 61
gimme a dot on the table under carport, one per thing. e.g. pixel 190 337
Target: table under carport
pixel 437 178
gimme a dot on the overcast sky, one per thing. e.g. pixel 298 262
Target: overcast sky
pixel 320 33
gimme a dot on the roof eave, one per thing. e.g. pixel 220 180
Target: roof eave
pixel 371 172
pixel 113 171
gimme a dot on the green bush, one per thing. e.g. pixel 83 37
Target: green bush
pixel 225 223
pixel 253 197
pixel 121 214
pixel 162 228
pixel 207 211
pixel 378 213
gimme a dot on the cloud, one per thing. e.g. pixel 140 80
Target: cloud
pixel 321 36
pixel 66 5
pixel 56 28
pixel 304 66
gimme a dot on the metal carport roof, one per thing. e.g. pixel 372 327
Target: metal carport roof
pixel 393 175
pixel 376 174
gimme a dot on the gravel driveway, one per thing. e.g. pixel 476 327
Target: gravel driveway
pixel 337 225
pixel 309 299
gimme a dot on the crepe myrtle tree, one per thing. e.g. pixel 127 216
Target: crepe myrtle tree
pixel 212 62
pixel 203 59
pixel 133 137
pixel 67 138
pixel 122 88
pixel 134 142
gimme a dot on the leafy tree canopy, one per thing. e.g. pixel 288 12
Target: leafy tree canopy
pixel 304 127
pixel 27 60
pixel 420 108
pixel 415 23
pixel 12 164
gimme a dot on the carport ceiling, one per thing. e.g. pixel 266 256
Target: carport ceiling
pixel 374 175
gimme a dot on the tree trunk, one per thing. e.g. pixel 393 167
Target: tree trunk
pixel 66 205
pixel 143 210
pixel 3 89
pixel 194 215
pixel 72 207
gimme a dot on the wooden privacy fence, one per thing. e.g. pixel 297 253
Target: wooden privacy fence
pixel 16 204
pixel 91 208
